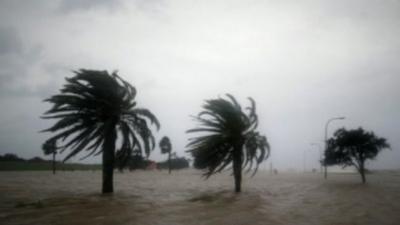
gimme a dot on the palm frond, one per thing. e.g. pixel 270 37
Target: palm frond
pixel 87 102
pixel 222 126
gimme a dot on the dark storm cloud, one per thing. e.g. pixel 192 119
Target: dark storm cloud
pixel 73 5
pixel 10 52
pixel 10 42
pixel 15 62
pixel 150 6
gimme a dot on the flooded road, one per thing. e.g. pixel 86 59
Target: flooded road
pixel 184 197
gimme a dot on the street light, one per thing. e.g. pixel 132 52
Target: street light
pixel 304 161
pixel 326 139
pixel 320 154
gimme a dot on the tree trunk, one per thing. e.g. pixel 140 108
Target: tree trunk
pixel 237 167
pixel 108 158
pixel 54 163
pixel 363 176
pixel 362 172
pixel 169 162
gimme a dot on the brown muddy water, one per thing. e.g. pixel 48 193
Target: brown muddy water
pixel 154 197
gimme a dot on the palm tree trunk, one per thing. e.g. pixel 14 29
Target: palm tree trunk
pixel 54 162
pixel 237 168
pixel 108 158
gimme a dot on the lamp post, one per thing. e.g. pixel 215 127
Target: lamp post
pixel 304 161
pixel 326 139
pixel 320 155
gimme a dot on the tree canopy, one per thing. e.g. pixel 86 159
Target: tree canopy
pixel 353 148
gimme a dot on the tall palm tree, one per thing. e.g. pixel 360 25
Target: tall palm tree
pixel 166 147
pixel 93 110
pixel 228 135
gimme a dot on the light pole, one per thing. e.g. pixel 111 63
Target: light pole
pixel 326 139
pixel 304 161
pixel 320 154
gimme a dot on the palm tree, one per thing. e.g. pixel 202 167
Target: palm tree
pixel 165 146
pixel 50 147
pixel 95 108
pixel 228 136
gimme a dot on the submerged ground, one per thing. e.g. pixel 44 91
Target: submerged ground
pixel 154 197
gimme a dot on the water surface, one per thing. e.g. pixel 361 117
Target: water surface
pixel 184 197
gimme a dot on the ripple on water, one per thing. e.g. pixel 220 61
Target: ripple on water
pixel 185 198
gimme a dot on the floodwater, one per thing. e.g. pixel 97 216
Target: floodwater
pixel 184 197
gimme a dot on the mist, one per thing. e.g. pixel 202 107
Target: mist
pixel 303 63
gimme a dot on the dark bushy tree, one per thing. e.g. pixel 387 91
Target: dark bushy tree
pixel 353 148
pixel 10 157
pixel 228 135
pixel 95 108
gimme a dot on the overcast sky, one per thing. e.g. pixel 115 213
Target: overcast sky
pixel 302 61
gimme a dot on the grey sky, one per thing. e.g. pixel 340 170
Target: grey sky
pixel 302 61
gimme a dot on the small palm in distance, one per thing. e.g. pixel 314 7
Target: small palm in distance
pixel 166 147
pixel 50 148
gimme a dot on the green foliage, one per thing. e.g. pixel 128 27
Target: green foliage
pixel 91 105
pixel 353 147
pixel 225 129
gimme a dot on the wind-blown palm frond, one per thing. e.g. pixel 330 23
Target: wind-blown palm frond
pixel 165 145
pixel 91 105
pixel 227 135
pixel 49 147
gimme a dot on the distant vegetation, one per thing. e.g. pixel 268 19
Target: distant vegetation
pixel 353 148
pixel 9 157
pixel 174 164
pixel 139 162
pixel 228 135
pixel 11 162
pixel 136 161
